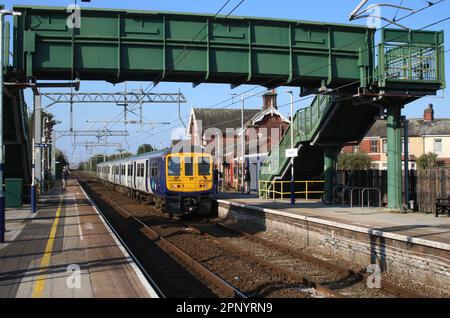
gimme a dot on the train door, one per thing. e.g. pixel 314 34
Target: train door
pixel 189 184
pixel 153 176
pixel 140 176
pixel 146 182
pixel 134 175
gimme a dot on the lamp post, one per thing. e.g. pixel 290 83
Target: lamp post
pixel 45 150
pixel 242 144
pixel 242 138
pixel 2 155
pixel 292 147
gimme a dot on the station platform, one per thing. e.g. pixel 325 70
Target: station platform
pixel 412 227
pixel 66 250
pixel 414 246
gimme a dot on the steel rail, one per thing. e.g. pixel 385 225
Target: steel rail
pixel 387 286
pixel 187 260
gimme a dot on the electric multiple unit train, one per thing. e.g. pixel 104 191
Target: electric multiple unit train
pixel 177 182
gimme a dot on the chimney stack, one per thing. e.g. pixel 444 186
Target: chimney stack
pixel 270 100
pixel 428 113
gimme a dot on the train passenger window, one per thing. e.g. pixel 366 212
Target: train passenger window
pixel 154 169
pixel 174 166
pixel 204 166
pixel 142 170
pixel 188 166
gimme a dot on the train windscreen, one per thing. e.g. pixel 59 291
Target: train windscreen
pixel 174 166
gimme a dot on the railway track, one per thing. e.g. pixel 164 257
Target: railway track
pixel 151 252
pixel 239 264
pixel 327 276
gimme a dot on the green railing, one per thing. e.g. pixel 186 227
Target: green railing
pixel 411 56
pixel 305 124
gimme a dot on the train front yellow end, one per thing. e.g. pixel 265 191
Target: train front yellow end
pixel 189 173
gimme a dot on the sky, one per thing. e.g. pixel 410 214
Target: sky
pixel 208 95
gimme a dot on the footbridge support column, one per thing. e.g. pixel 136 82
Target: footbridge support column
pixel 330 163
pixel 394 157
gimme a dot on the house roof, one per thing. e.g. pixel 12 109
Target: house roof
pixel 223 118
pixel 416 127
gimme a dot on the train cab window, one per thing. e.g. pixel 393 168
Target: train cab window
pixel 204 166
pixel 174 166
pixel 188 166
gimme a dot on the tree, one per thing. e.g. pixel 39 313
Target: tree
pixel 61 160
pixel 49 125
pixel 82 166
pixel 354 161
pixel 427 161
pixel 144 148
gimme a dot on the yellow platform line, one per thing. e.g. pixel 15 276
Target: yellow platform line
pixel 45 261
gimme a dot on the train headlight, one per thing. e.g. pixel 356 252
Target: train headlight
pixel 177 186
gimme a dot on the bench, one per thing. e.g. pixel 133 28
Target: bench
pixel 442 205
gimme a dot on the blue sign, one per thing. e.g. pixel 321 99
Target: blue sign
pixel 41 145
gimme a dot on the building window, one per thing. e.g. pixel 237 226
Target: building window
pixel 374 146
pixel 356 149
pixel 437 145
pixel 384 145
pixel 375 166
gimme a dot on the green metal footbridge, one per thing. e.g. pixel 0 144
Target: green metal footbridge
pixel 355 80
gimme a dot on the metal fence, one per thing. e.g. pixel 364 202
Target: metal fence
pixel 424 185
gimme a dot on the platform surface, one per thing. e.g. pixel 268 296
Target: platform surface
pixel 66 250
pixel 408 225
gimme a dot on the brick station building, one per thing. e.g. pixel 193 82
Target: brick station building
pixel 205 125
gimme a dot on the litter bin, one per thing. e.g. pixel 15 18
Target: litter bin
pixel 13 192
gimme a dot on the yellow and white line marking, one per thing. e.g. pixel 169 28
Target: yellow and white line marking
pixel 45 261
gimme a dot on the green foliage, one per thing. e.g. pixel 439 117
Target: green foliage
pixel 49 125
pixel 91 162
pixel 427 161
pixel 354 161
pixel 144 148
pixel 61 160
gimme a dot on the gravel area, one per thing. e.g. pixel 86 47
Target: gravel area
pixel 286 240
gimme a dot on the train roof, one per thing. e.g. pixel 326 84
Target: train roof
pixel 152 154
pixel 146 155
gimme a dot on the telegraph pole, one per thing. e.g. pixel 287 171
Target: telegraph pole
pixel 292 147
pixel 242 143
